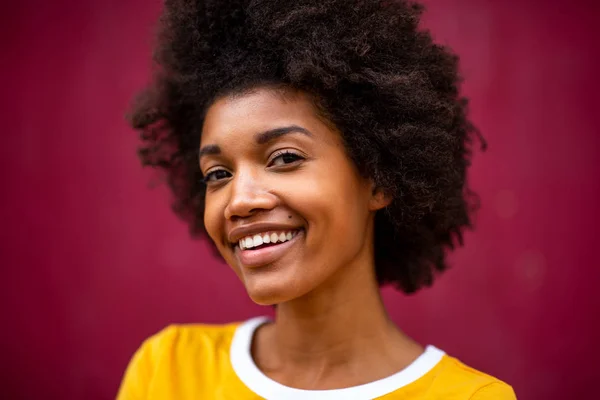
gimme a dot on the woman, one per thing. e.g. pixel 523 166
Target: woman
pixel 322 146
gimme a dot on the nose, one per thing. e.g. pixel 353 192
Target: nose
pixel 248 196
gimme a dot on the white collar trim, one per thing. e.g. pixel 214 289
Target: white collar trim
pixel 259 383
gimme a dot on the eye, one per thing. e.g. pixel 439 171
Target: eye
pixel 285 157
pixel 216 175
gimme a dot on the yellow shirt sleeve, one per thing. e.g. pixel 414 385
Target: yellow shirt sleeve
pixel 494 391
pixel 140 371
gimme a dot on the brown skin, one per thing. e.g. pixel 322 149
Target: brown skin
pixel 331 328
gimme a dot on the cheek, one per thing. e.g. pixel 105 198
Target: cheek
pixel 335 236
pixel 213 218
pixel 336 210
pixel 214 221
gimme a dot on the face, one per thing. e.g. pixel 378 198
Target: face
pixel 285 206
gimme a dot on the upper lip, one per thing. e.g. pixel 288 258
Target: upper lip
pixel 252 229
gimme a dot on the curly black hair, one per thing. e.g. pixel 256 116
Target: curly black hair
pixel 371 71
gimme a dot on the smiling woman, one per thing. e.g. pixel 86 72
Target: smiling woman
pixel 280 171
pixel 321 147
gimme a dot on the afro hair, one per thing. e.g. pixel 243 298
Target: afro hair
pixel 372 72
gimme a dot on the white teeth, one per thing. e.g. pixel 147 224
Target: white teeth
pixel 249 242
pixel 257 239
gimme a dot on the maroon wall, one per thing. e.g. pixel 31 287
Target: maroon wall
pixel 92 261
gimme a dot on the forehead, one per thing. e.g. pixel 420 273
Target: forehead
pixel 256 111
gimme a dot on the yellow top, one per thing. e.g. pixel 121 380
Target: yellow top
pixel 214 362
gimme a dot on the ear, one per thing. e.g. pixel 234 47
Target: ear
pixel 379 198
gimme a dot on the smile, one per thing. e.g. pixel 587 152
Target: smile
pixel 263 239
pixel 265 248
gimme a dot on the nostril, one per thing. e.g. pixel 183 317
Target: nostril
pixel 251 213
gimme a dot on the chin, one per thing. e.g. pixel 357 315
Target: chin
pixel 268 292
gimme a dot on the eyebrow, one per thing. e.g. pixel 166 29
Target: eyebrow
pixel 260 138
pixel 272 134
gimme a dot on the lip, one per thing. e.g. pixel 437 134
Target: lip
pixel 266 255
pixel 260 227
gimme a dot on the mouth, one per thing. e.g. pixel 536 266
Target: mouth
pixel 256 251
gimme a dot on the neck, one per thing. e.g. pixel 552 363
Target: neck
pixel 343 324
pixel 332 323
pixel 334 338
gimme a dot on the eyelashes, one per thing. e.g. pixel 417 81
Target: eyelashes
pixel 288 157
pixel 279 159
pixel 216 175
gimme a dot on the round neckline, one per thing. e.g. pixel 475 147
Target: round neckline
pixel 247 371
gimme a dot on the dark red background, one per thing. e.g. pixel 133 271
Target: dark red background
pixel 92 261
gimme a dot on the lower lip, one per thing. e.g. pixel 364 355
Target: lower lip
pixel 266 255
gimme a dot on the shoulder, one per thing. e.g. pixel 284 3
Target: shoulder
pixel 191 335
pixel 495 391
pixel 175 347
pixel 469 383
pixel 176 338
